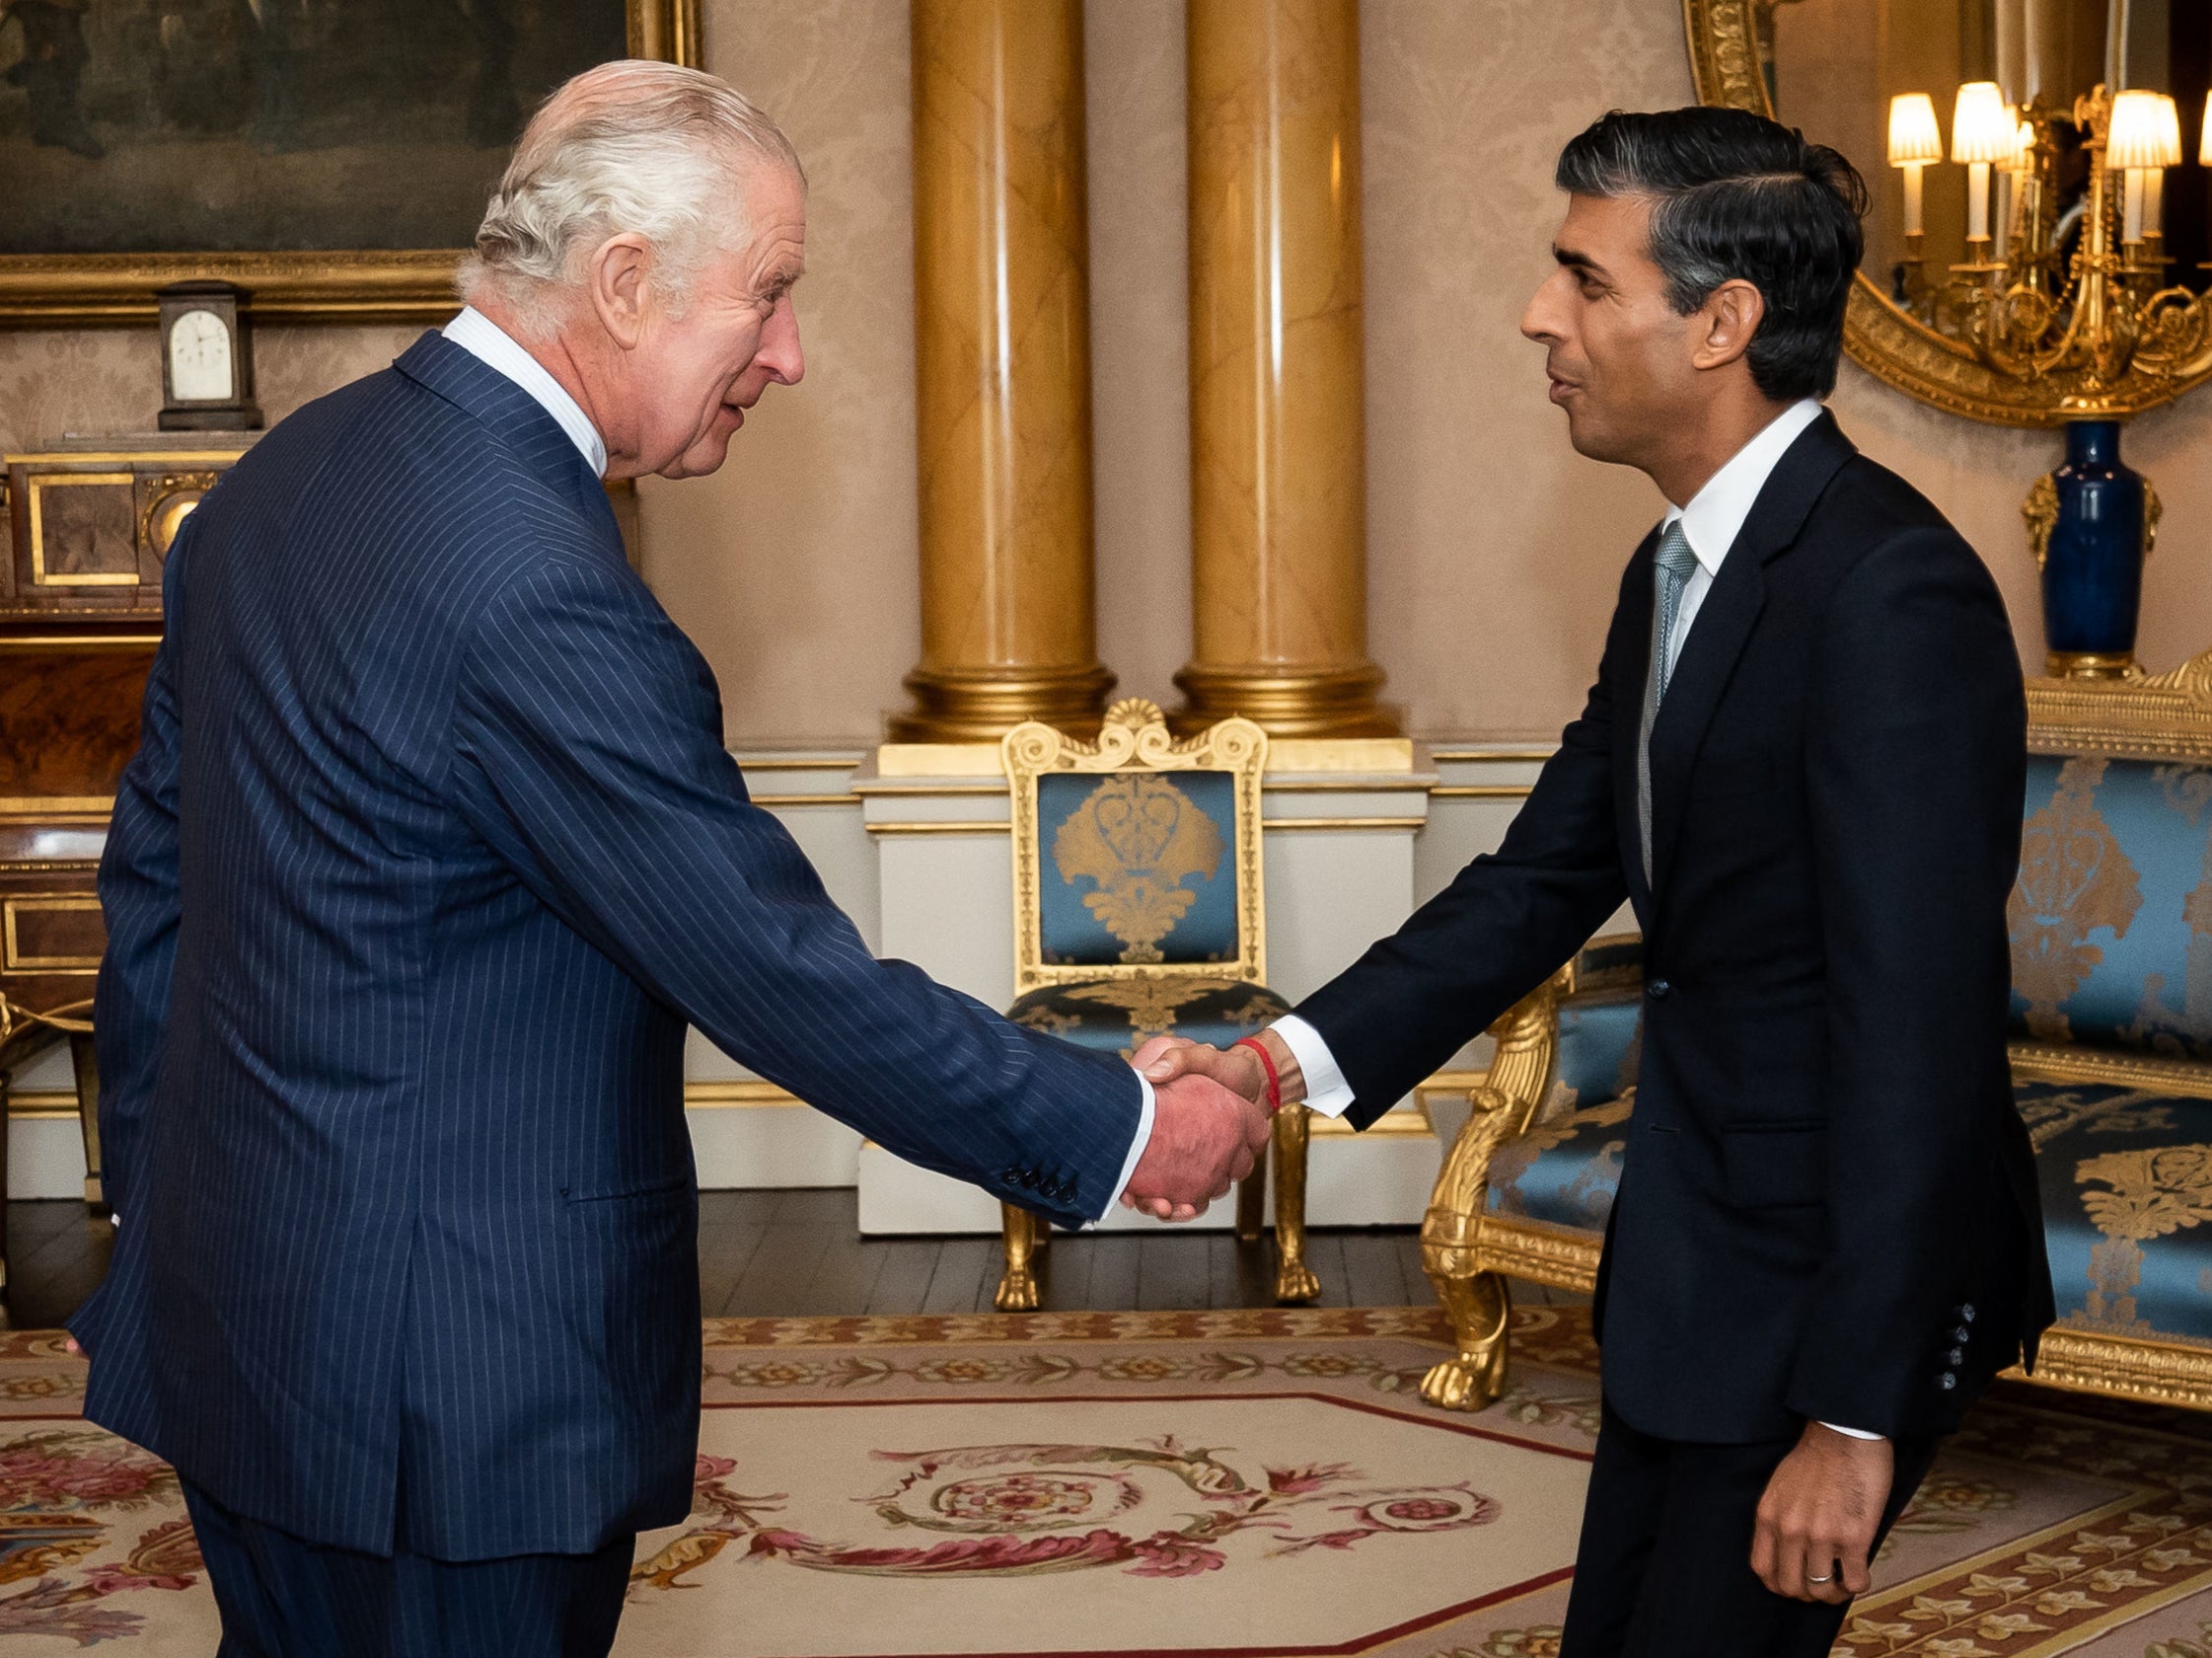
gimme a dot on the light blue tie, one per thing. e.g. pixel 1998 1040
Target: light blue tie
pixel 1671 569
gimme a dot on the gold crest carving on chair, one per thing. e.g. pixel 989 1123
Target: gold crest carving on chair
pixel 1138 913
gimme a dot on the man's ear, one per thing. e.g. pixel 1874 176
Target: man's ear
pixel 1727 323
pixel 617 276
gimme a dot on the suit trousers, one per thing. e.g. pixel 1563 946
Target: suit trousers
pixel 1665 1567
pixel 283 1597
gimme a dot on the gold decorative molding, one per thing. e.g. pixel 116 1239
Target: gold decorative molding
pixel 1482 791
pixel 1542 1254
pixel 1881 338
pixel 56 806
pixel 772 802
pixel 170 500
pixel 2136 716
pixel 2054 1062
pixel 1273 824
pixel 2163 1372
pixel 729 1092
pixel 75 642
pixel 37 488
pixel 1505 756
pixel 351 285
pixel 972 826
pixel 41 1105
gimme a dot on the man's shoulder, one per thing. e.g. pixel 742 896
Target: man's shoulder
pixel 1866 508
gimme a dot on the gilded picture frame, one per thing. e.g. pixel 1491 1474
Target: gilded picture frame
pixel 1726 69
pixel 410 285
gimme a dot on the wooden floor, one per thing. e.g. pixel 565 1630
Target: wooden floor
pixel 799 1253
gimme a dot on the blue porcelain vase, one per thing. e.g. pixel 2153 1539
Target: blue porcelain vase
pixel 2093 562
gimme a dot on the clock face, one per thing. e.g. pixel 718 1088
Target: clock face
pixel 199 358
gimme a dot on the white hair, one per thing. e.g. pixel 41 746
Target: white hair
pixel 651 148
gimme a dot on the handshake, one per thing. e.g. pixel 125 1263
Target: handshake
pixel 1211 1123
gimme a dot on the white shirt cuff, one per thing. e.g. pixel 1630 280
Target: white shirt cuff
pixel 1137 1146
pixel 1326 1090
pixel 1851 1433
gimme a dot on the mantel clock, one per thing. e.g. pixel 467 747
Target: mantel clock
pixel 206 359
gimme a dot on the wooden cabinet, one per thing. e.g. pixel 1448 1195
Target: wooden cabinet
pixel 84 530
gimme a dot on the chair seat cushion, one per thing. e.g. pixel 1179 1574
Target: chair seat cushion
pixel 1121 1015
pixel 1566 1167
pixel 2126 1177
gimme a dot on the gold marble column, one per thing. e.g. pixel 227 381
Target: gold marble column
pixel 1277 432
pixel 1003 326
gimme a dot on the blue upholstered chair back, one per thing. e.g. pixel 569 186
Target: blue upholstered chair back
pixel 1138 867
pixel 2112 917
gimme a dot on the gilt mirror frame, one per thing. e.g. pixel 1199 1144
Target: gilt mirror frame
pixel 410 285
pixel 1726 70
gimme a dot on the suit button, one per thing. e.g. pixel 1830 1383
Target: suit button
pixel 1958 1356
pixel 1657 989
pixel 1947 1381
pixel 1967 1313
pixel 1961 1335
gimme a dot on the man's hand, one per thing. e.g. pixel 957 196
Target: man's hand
pixel 1164 1058
pixel 1816 1521
pixel 1205 1139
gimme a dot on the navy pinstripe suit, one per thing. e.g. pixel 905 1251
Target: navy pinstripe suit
pixel 430 850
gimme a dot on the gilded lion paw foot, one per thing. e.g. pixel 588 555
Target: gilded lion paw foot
pixel 1295 1282
pixel 1016 1295
pixel 1458 1385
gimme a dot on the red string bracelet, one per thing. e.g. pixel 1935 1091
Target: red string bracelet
pixel 1267 1063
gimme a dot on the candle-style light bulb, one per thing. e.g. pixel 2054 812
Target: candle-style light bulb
pixel 1915 141
pixel 1982 132
pixel 2144 139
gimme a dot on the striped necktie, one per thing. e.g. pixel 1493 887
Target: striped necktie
pixel 1670 574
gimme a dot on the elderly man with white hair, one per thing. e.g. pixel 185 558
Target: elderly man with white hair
pixel 428 856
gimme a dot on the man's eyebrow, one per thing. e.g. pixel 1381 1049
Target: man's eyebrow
pixel 1573 260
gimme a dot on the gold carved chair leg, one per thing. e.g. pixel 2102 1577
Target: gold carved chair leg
pixel 86 1059
pixel 1476 1300
pixel 1025 1236
pixel 1251 1204
pixel 1294 1279
pixel 1480 1306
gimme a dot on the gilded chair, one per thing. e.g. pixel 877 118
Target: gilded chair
pixel 1139 913
pixel 2112 1055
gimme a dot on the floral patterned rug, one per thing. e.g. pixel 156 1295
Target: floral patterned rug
pixel 1235 1484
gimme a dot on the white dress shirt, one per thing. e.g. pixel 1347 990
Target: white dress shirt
pixel 485 340
pixel 1711 522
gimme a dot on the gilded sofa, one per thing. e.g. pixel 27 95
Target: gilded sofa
pixel 2111 937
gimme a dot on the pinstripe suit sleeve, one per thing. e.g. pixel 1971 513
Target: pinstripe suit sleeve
pixel 588 754
pixel 138 904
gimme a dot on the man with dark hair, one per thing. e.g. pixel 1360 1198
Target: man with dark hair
pixel 1801 762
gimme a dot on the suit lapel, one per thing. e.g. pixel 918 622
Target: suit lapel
pixel 1724 624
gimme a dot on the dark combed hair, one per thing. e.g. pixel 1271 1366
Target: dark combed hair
pixel 1732 195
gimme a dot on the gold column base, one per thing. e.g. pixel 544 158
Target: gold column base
pixel 982 705
pixel 1287 703
pixel 2089 664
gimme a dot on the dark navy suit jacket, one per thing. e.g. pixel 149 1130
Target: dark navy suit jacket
pixel 1828 1203
pixel 431 852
